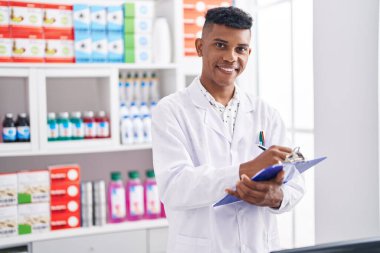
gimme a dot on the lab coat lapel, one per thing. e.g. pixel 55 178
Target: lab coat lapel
pixel 244 119
pixel 211 118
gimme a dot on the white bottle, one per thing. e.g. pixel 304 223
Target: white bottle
pixel 154 94
pixel 144 109
pixel 145 88
pixel 138 129
pixel 134 110
pixel 162 44
pixel 128 88
pixel 121 87
pixel 123 110
pixel 136 88
pixel 127 132
pixel 147 125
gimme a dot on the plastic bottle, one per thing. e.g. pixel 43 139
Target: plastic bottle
pixel 128 89
pixel 136 88
pixel 145 83
pixel 102 125
pixel 89 125
pixel 116 199
pixel 163 214
pixel 9 129
pixel 64 127
pixel 126 130
pixel 147 125
pixel 144 109
pixel 23 128
pixel 138 129
pixel 153 88
pixel 121 87
pixel 52 127
pixel 151 198
pixel 135 196
pixel 123 110
pixel 134 110
pixel 77 126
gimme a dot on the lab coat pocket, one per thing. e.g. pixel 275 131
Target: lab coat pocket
pixel 187 244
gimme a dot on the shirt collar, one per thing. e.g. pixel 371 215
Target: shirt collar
pixel 234 100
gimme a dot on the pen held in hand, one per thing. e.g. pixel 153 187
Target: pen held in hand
pixel 262 147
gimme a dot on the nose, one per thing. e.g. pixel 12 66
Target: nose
pixel 230 56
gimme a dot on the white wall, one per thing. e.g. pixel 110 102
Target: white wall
pixel 346 119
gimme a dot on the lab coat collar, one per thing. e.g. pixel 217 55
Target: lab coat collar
pixel 213 120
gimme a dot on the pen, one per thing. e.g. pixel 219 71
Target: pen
pixel 261 138
pixel 262 147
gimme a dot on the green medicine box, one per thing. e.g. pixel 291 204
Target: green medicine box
pixel 129 41
pixel 129 10
pixel 129 55
pixel 129 25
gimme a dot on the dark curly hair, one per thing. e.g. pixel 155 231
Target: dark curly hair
pixel 229 16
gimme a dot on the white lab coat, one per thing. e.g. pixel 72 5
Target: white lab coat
pixel 195 160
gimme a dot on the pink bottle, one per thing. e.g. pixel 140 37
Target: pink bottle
pixel 151 197
pixel 135 197
pixel 116 199
pixel 163 214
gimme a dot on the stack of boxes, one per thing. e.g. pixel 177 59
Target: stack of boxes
pixel 65 196
pixel 8 204
pixel 98 33
pixel 33 200
pixel 5 35
pixel 138 22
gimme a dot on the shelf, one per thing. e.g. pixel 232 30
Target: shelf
pixel 25 149
pixel 89 65
pixel 109 228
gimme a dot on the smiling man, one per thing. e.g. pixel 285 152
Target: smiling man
pixel 205 141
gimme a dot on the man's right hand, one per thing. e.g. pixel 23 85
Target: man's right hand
pixel 271 156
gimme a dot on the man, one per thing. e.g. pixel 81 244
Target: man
pixel 205 144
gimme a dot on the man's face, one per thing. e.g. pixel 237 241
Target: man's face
pixel 224 53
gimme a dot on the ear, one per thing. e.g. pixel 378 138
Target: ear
pixel 249 51
pixel 199 46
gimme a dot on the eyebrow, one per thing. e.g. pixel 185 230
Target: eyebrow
pixel 226 42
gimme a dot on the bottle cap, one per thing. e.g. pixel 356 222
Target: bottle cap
pixel 145 75
pixel 115 175
pixel 150 173
pixel 9 115
pixel 51 115
pixel 101 114
pixel 153 75
pixel 76 115
pixel 22 115
pixel 129 75
pixel 63 115
pixel 134 174
pixel 89 114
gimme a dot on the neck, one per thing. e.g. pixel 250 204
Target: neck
pixel 221 94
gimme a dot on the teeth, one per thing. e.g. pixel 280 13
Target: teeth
pixel 226 69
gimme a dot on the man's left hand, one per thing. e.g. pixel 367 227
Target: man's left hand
pixel 266 193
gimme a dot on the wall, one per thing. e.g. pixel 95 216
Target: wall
pixel 346 118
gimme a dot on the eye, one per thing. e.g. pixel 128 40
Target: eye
pixel 242 50
pixel 220 45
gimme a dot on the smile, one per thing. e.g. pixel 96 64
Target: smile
pixel 227 70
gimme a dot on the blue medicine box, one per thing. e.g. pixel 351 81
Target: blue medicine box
pixel 98 18
pixel 99 46
pixel 115 47
pixel 82 17
pixel 83 46
pixel 115 18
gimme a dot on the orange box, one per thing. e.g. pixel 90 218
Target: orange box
pixel 28 47
pixel 65 221
pixel 62 191
pixel 64 174
pixel 65 206
pixel 25 17
pixel 58 18
pixel 59 48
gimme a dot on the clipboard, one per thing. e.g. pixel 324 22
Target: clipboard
pixel 272 171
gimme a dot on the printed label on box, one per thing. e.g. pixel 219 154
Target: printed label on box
pixel 8 189
pixel 64 173
pixel 143 55
pixel 143 25
pixel 8 221
pixel 115 47
pixel 58 17
pixel 65 220
pixel 98 18
pixel 82 17
pixel 33 218
pixel 83 47
pixel 65 190
pixel 59 50
pixel 115 18
pixel 144 9
pixel 25 15
pixel 143 40
pixel 70 206
pixel 99 47
pixel 33 186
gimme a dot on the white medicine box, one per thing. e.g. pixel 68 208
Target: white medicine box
pixel 33 186
pixel 8 189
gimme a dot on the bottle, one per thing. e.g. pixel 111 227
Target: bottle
pixel 133 110
pixel 163 214
pixel 128 89
pixel 153 88
pixel 89 125
pixel 64 127
pixel 86 204
pixel 102 125
pixel 138 129
pixel 162 44
pixel 126 130
pixel 23 128
pixel 121 87
pixel 145 83
pixel 144 109
pixel 135 196
pixel 100 203
pixel 151 198
pixel 147 125
pixel 116 199
pixel 77 126
pixel 136 88
pixel 52 127
pixel 9 129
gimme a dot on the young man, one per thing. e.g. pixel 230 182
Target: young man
pixel 205 144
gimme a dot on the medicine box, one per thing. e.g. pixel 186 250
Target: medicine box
pixel 129 10
pixel 65 206
pixel 82 17
pixel 129 55
pixel 115 18
pixel 138 25
pixel 143 40
pixel 8 221
pixel 25 16
pixel 65 220
pixel 4 16
pixel 33 186
pixel 144 9
pixel 33 218
pixel 65 191
pixel 143 55
pixel 8 189
pixel 6 42
pixel 58 18
pixel 99 47
pixel 68 173
pixel 98 18
pixel 83 46
pixel 115 47
pixel 28 47
pixel 59 48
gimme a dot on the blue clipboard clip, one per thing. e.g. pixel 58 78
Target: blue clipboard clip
pixel 271 172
